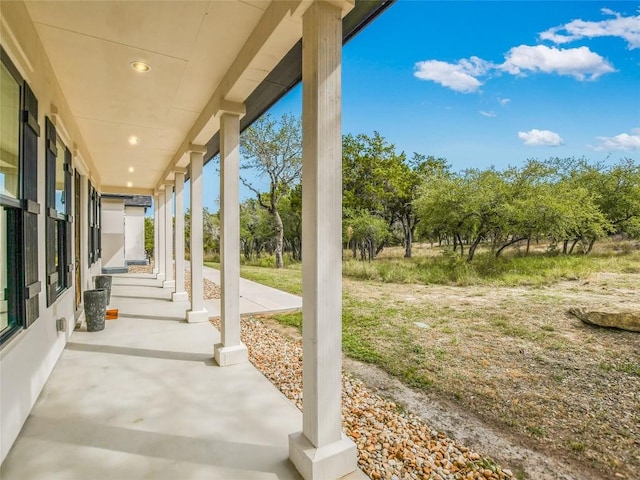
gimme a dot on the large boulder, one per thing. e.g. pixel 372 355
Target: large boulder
pixel 623 320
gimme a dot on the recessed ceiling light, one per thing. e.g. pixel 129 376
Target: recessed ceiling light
pixel 130 169
pixel 129 184
pixel 134 140
pixel 140 66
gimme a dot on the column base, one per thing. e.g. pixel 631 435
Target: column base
pixel 160 277
pixel 226 356
pixel 180 297
pixel 169 284
pixel 155 270
pixel 197 316
pixel 332 461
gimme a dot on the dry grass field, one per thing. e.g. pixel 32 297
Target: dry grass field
pixel 502 345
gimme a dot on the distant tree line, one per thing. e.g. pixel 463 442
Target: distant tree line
pixel 389 199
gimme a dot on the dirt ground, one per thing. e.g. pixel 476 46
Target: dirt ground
pixel 514 361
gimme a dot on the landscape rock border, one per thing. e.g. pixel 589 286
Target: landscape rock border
pixel 392 444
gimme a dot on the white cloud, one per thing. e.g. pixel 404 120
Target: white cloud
pixel 627 28
pixel 624 141
pixel 580 63
pixel 503 101
pixel 488 114
pixel 460 76
pixel 537 138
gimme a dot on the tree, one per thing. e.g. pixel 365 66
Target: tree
pixel 291 213
pixel 210 232
pixel 406 178
pixel 149 239
pixel 256 229
pixel 364 233
pixel 371 171
pixel 471 204
pixel 273 149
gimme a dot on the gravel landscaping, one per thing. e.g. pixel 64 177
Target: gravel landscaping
pixel 392 444
pixel 211 290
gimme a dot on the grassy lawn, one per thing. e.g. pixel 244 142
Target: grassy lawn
pixel 288 279
pixel 499 342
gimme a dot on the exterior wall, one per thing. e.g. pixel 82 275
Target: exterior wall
pixel 134 234
pixel 26 361
pixel 113 231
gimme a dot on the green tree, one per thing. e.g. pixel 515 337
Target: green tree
pixel 149 239
pixel 406 178
pixel 467 205
pixel 371 172
pixel 210 233
pixel 364 233
pixel 273 149
pixel 291 213
pixel 256 229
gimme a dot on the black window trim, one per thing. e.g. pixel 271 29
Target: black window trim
pixel 58 225
pixel 22 214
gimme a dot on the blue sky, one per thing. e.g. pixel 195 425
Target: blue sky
pixel 484 83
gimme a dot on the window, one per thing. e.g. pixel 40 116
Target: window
pixel 19 285
pixel 9 181
pixel 95 237
pixel 58 204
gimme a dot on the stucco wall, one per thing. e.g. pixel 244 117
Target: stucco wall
pixel 134 234
pixel 112 233
pixel 26 361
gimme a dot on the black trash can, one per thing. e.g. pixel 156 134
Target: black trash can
pixel 95 309
pixel 105 281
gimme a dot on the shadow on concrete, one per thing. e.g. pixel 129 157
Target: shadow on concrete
pixel 240 458
pixel 142 352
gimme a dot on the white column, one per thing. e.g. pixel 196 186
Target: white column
pixel 179 294
pixel 230 350
pixel 169 281
pixel 321 450
pixel 161 237
pixel 197 313
pixel 155 231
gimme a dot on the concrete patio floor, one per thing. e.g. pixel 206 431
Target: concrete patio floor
pixel 143 399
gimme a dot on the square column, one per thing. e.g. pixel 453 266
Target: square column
pixel 155 232
pixel 321 450
pixel 169 281
pixel 179 294
pixel 230 350
pixel 197 313
pixel 161 237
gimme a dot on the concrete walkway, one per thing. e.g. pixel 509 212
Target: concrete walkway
pixel 254 297
pixel 143 399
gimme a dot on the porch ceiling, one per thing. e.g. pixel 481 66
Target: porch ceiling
pixel 198 51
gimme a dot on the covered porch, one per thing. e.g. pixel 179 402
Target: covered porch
pixel 145 399
pixel 134 98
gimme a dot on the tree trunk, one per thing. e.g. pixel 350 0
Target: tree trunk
pixel 461 246
pixel 279 239
pixel 565 246
pixel 408 242
pixel 515 240
pixel 573 245
pixel 591 243
pixel 528 244
pixel 472 249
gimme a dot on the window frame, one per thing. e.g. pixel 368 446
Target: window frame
pixel 58 232
pixel 13 207
pixel 14 211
